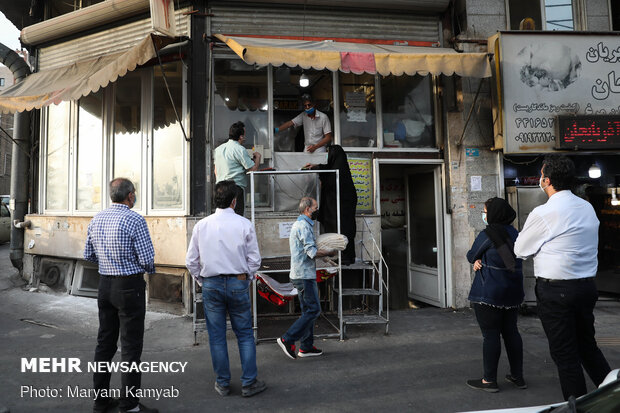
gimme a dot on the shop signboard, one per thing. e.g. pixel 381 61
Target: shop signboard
pixel 547 75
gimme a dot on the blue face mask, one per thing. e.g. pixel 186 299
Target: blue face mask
pixel 310 111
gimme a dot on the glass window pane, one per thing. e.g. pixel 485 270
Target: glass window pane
pixel 57 174
pixel 358 115
pixel 89 152
pixel 522 9
pixel 287 91
pixel 168 141
pixel 127 159
pixel 559 14
pixel 241 95
pixel 407 107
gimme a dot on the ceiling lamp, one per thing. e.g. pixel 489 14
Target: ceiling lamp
pixel 304 81
pixel 594 171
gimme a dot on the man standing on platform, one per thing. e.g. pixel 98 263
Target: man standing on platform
pixel 223 257
pixel 303 276
pixel 118 241
pixel 562 236
pixel 317 128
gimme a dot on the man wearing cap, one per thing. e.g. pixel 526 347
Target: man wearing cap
pixel 317 128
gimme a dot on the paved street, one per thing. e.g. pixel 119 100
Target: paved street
pixel 420 366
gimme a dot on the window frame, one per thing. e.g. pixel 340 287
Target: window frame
pixel 146 155
pixel 579 21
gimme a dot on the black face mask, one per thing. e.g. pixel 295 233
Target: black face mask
pixel 314 215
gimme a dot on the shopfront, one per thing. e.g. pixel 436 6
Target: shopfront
pixel 560 93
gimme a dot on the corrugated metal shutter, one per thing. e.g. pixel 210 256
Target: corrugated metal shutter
pixel 108 41
pixel 294 21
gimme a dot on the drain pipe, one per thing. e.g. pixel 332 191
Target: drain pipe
pixel 20 164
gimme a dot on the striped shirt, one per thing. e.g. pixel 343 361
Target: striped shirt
pixel 118 241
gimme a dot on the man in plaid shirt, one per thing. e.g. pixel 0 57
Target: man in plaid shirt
pixel 118 241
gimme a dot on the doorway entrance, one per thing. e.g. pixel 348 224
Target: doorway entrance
pixel 411 202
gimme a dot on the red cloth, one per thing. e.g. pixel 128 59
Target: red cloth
pixel 357 63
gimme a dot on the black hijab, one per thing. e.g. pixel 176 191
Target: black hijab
pixel 499 214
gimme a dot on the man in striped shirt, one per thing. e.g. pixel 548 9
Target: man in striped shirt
pixel 118 241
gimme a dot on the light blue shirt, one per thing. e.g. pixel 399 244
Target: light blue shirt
pixel 231 161
pixel 562 236
pixel 303 249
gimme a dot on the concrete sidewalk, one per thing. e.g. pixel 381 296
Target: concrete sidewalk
pixel 420 366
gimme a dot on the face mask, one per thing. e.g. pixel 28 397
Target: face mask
pixel 314 215
pixel 310 111
pixel 484 218
pixel 540 184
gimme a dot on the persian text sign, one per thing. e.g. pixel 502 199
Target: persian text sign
pixel 361 172
pixel 546 75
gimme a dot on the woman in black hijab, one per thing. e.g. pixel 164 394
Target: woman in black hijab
pixel 496 294
pixel 337 159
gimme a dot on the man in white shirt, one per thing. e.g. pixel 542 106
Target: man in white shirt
pixel 223 257
pixel 562 236
pixel 317 128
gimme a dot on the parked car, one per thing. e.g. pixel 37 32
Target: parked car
pixel 605 399
pixel 5 223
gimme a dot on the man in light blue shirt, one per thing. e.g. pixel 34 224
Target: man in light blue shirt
pixel 232 161
pixel 562 236
pixel 303 276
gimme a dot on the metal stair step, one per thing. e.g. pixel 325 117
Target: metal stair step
pixel 364 319
pixel 358 291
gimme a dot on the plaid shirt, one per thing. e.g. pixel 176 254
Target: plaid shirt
pixel 118 241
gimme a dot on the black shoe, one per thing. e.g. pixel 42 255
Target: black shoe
pixel 310 353
pixel 103 405
pixel 222 390
pixel 288 348
pixel 142 409
pixel 517 381
pixel 479 385
pixel 254 388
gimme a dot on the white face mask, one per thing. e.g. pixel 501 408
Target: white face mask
pixel 484 218
pixel 540 184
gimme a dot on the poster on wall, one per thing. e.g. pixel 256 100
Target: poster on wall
pixel 361 172
pixel 546 75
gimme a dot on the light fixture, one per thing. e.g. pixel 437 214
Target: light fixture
pixel 614 198
pixel 227 99
pixel 303 80
pixel 265 107
pixel 594 171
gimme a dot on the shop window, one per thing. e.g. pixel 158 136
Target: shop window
pixel 168 141
pixel 57 157
pixel 289 83
pixel 547 14
pixel 615 15
pixel 127 158
pixel 89 152
pixel 358 115
pixel 407 112
pixel 240 94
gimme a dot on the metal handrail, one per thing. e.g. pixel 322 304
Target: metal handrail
pixel 386 281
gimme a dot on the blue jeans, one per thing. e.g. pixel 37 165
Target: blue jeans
pixel 228 294
pixel 303 328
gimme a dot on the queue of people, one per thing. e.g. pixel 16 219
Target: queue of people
pixel 223 257
pixel 562 238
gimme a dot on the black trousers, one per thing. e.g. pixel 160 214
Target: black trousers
pixel 122 308
pixel 240 205
pixel 495 322
pixel 565 309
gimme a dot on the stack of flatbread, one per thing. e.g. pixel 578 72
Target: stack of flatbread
pixel 332 242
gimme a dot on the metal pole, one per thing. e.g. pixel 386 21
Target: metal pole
pixel 339 257
pixel 254 306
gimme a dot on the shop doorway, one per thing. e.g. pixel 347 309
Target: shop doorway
pixel 412 224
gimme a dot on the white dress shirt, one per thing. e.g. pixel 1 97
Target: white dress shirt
pixel 223 243
pixel 314 129
pixel 562 235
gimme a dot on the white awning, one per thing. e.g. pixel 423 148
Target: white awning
pixel 358 57
pixel 77 79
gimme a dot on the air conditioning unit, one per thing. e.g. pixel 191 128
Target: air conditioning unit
pixel 85 279
pixel 55 273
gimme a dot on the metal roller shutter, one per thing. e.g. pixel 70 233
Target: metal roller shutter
pixel 323 23
pixel 105 42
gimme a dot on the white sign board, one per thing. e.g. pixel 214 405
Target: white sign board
pixel 162 17
pixel 284 228
pixel 545 75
